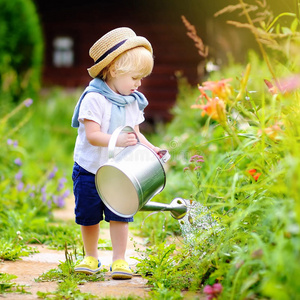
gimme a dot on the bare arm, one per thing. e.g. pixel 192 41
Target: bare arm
pixel 143 139
pixel 100 139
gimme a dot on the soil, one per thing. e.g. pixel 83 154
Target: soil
pixel 29 268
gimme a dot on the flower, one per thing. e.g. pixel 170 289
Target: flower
pixel 219 88
pixel 284 85
pixel 18 162
pixel 52 174
pixel 19 175
pixel 214 107
pixel 217 288
pixel 254 174
pixel 61 183
pixel 213 291
pixel 197 158
pixel 273 131
pixel 12 142
pixel 28 102
pixel 208 289
pixel 252 171
pixel 272 89
pixel 20 186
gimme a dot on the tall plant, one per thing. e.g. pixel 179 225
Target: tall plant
pixel 21 51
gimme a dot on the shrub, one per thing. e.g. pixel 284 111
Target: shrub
pixel 21 50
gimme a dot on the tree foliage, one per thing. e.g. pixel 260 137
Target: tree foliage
pixel 21 51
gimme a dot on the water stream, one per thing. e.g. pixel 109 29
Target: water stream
pixel 198 223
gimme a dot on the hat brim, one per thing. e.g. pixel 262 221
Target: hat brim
pixel 130 43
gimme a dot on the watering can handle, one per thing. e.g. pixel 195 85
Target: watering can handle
pixel 113 140
pixel 164 155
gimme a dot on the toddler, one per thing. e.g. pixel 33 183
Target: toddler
pixel 121 60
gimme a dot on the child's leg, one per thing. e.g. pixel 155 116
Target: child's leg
pixel 90 238
pixel 119 237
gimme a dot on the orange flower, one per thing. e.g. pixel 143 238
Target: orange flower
pixel 219 88
pixel 254 174
pixel 252 171
pixel 273 131
pixel 214 107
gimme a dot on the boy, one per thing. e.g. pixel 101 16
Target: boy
pixel 122 60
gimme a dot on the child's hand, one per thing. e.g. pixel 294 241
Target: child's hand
pixel 156 149
pixel 126 139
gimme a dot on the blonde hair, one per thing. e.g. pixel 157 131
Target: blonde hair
pixel 138 60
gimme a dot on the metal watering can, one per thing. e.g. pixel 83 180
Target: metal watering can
pixel 131 178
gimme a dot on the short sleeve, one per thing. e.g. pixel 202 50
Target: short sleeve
pixel 141 117
pixel 91 108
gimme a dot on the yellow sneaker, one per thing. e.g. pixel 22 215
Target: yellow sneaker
pixel 89 265
pixel 120 270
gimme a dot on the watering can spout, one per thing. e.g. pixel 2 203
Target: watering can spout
pixel 177 208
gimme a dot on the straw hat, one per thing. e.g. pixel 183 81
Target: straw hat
pixel 112 44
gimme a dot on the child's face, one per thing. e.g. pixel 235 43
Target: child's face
pixel 125 84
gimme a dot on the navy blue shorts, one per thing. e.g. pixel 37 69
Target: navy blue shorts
pixel 89 207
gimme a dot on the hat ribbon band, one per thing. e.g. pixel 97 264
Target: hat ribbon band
pixel 115 47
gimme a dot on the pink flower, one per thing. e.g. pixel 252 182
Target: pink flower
pixel 213 291
pixel 217 288
pixel 208 289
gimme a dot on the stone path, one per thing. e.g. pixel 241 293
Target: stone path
pixel 33 266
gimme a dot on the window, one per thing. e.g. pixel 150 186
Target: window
pixel 63 55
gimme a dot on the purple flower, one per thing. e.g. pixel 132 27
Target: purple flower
pixel 61 184
pixel 28 102
pixel 52 174
pixel 20 186
pixel 66 193
pixel 18 162
pixel 60 202
pixel 44 197
pixel 12 142
pixel 19 175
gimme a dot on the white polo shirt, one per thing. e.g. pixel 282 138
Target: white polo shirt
pixel 97 108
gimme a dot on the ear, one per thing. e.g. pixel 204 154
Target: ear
pixel 112 71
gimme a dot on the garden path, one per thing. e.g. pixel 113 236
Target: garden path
pixel 33 266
